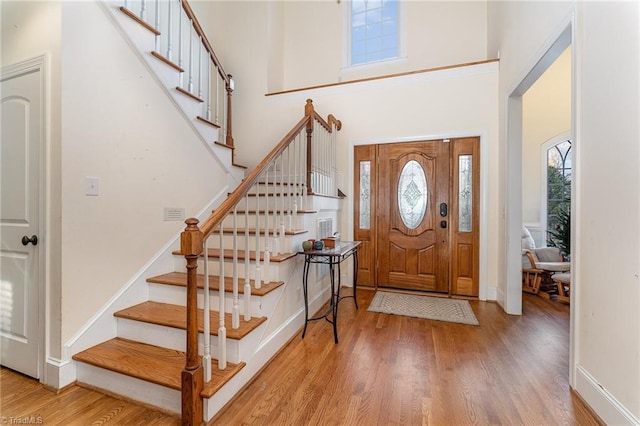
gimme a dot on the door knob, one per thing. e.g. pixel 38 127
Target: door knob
pixel 33 240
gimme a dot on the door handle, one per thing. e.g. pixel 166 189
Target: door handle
pixel 33 240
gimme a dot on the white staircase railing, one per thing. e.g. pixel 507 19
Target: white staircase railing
pixel 271 195
pixel 181 43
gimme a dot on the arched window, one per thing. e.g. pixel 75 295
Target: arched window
pixel 559 164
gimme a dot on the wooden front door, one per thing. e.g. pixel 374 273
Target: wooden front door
pixel 419 219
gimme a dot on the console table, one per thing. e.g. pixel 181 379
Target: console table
pixel 332 257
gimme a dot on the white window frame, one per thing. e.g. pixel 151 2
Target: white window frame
pixel 346 59
pixel 543 187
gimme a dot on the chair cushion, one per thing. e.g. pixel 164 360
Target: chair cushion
pixel 554 266
pixel 548 254
pixel 527 240
pixel 563 277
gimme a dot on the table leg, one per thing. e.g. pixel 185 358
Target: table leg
pixel 355 277
pixel 305 277
pixel 335 298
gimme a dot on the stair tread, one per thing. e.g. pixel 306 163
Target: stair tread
pixel 228 254
pixel 175 316
pixel 252 231
pixel 151 363
pixel 180 279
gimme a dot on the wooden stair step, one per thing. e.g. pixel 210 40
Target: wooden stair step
pixel 151 363
pixel 180 279
pixel 252 231
pixel 175 316
pixel 228 254
pixel 140 21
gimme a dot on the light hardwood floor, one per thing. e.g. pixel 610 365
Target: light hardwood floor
pixel 386 370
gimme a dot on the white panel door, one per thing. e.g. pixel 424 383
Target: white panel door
pixel 20 127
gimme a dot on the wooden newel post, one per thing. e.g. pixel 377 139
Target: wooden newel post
pixel 308 112
pixel 229 87
pixel 191 247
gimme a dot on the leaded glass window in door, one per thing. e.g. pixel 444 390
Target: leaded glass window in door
pixel 465 193
pixel 365 195
pixel 412 194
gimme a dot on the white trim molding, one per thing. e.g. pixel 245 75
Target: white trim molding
pixel 609 409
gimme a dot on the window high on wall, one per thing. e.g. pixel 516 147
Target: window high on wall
pixel 374 31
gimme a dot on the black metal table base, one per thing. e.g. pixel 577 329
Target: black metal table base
pixel 333 258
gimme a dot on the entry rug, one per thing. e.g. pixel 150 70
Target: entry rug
pixel 435 308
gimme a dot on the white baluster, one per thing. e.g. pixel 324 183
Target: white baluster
pixel 217 103
pixel 190 87
pixel 208 67
pixel 267 255
pixel 200 68
pixel 284 201
pixel 181 75
pixel 157 36
pixel 235 312
pixel 276 239
pixel 247 283
pixel 290 190
pixel 206 358
pixel 222 331
pixel 295 176
pixel 169 30
pixel 143 9
pixel 258 275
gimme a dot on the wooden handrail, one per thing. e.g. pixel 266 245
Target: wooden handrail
pixel 192 245
pixel 243 189
pixel 205 41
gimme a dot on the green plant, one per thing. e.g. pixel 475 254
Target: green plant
pixel 560 234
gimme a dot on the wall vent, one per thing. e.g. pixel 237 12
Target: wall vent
pixel 324 228
pixel 173 214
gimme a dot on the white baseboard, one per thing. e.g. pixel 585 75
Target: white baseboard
pixel 605 405
pixel 492 293
pixel 59 373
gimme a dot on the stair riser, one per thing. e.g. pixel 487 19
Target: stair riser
pixel 271 272
pixel 177 295
pixel 290 221
pixel 275 203
pixel 174 338
pixel 283 243
pixel 274 271
pixel 135 389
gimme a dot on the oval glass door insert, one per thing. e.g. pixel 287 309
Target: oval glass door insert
pixel 412 194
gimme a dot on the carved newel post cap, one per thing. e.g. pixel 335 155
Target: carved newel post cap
pixel 191 238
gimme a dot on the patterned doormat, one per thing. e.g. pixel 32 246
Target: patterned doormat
pixel 435 308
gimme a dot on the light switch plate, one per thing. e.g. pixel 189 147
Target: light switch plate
pixel 91 186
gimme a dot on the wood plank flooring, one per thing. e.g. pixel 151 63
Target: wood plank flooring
pixel 385 370
pixel 407 371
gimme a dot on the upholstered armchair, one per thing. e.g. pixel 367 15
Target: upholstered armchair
pixel 538 264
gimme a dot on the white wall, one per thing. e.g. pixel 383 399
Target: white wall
pixel 438 33
pixel 606 254
pixel 546 115
pixel 119 126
